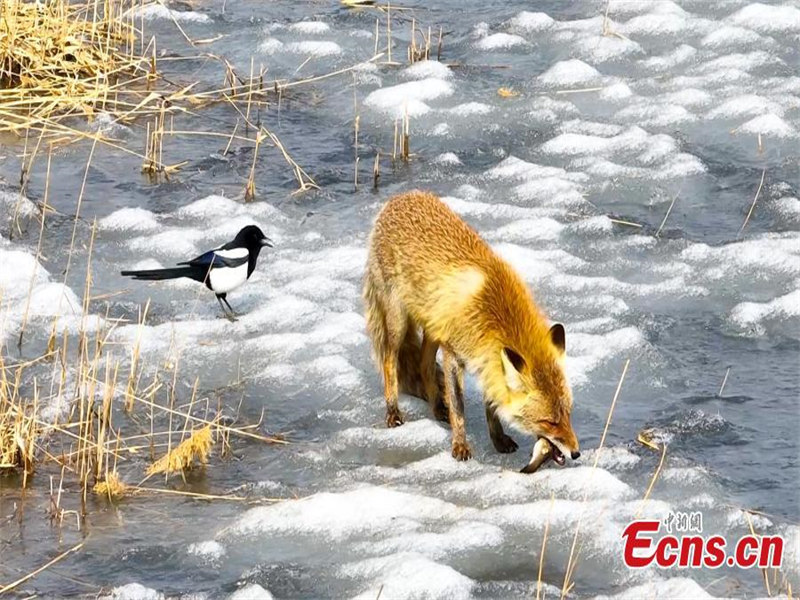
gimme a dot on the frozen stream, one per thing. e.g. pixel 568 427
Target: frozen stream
pixel 569 176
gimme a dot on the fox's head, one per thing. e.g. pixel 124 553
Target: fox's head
pixel 540 397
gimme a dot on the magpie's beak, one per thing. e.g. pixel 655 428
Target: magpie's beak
pixel 266 242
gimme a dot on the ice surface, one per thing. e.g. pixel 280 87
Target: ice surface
pixel 569 181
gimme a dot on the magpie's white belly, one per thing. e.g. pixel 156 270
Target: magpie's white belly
pixel 226 279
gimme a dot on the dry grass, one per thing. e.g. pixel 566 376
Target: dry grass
pixel 62 59
pixel 76 63
pixel 85 445
pixel 193 449
pixel 18 428
pixel 112 486
pixel 505 92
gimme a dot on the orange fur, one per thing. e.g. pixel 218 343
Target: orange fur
pixel 428 269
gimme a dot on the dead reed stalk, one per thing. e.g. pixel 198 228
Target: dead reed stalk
pixel 755 199
pixel 572 561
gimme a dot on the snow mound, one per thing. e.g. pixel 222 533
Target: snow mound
pixel 313 48
pixel 501 41
pixel 133 591
pixel 752 315
pixel 339 516
pixel 159 11
pixel 428 69
pixel 769 126
pixel 130 219
pixel 666 589
pixel 408 97
pixel 251 591
pixel 572 72
pixel 410 576
pixel 531 22
pixel 310 27
pixel 767 19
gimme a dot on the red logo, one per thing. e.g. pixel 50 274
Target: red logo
pixel 643 548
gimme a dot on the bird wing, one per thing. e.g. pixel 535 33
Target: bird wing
pixel 220 257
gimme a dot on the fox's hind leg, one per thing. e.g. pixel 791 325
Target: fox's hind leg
pixel 454 398
pixel 394 418
pixel 386 325
pixel 430 378
pixel 396 322
pixel 502 442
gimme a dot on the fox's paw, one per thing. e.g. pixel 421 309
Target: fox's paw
pixel 461 451
pixel 505 445
pixel 394 418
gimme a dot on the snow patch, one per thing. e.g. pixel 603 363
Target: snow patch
pixel 500 41
pixel 570 73
pixel 767 19
pixel 410 96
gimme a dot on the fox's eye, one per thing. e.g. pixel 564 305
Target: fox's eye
pixel 549 423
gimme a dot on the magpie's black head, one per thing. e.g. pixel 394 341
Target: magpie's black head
pixel 252 238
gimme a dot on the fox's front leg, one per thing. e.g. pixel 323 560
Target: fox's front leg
pixel 454 398
pixel 502 442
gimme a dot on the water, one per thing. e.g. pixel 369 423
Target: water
pixel 570 186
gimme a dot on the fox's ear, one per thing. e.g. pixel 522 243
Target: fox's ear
pixel 513 364
pixel 559 337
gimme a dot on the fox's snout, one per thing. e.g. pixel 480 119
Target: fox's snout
pixel 563 437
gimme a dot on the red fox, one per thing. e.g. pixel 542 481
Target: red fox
pixel 428 270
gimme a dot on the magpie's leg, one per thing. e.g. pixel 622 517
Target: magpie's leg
pixel 228 315
pixel 225 300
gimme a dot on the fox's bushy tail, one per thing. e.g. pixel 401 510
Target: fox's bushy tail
pixel 160 274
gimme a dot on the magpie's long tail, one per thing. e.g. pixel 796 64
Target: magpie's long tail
pixel 159 274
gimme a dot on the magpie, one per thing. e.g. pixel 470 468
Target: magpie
pixel 222 269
